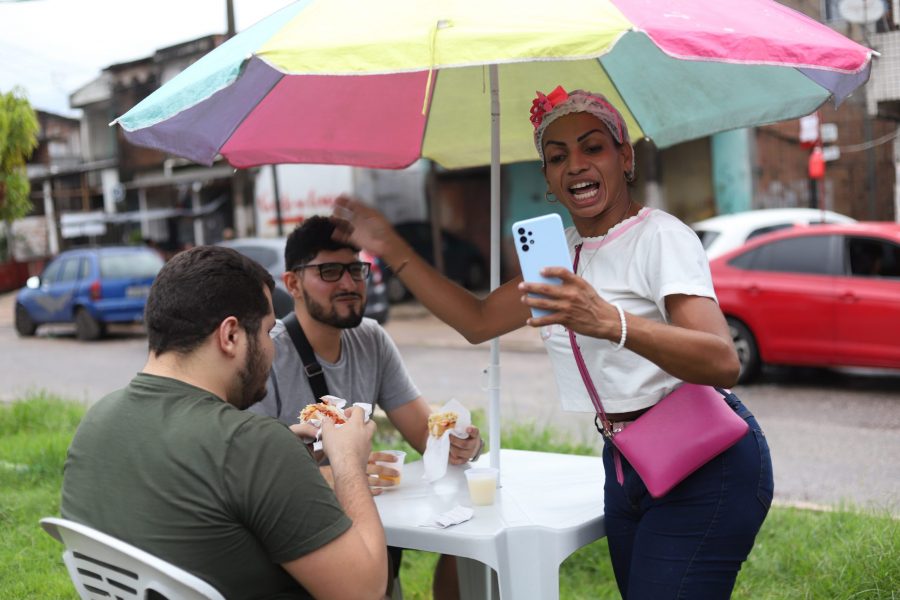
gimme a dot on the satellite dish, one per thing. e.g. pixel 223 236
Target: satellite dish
pixel 861 11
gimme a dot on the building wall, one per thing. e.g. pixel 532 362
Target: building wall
pixel 59 140
pixel 686 179
pixel 781 169
pixel 132 83
pixel 98 138
pixel 782 165
pixel 464 202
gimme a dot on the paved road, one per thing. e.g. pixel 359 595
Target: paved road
pixel 835 437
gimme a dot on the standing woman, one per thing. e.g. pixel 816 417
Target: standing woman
pixel 644 313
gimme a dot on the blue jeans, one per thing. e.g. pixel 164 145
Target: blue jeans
pixel 691 542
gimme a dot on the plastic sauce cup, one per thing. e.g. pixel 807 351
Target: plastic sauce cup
pixel 482 485
pixel 400 456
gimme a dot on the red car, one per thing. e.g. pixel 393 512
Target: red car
pixel 817 295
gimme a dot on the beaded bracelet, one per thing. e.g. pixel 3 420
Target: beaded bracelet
pixel 624 327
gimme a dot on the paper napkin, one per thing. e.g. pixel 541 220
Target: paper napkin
pixel 437 450
pixel 456 515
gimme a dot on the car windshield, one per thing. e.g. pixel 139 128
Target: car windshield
pixel 130 264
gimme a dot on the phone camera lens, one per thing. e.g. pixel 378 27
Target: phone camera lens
pixel 524 247
pixel 521 230
pixel 523 239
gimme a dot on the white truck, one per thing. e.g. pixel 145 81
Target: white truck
pixel 306 190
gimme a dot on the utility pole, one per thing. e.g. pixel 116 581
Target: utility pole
pixel 229 15
pixel 239 179
pixel 276 196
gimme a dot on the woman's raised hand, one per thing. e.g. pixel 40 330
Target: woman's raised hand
pixel 362 226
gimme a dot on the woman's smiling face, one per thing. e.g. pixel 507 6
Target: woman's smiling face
pixel 585 169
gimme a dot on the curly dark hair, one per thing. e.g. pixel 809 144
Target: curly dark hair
pixel 198 289
pixel 310 238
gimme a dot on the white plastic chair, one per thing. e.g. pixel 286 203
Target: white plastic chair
pixel 102 566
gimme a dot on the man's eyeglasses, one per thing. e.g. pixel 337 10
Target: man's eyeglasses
pixel 333 271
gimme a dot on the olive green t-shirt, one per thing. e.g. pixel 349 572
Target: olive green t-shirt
pixel 225 494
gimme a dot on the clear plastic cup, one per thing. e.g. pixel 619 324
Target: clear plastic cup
pixel 482 485
pixel 397 464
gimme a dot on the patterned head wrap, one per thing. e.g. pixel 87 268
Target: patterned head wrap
pixel 546 109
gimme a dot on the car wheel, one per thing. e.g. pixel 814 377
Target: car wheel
pixel 396 291
pixel 25 325
pixel 748 352
pixel 86 326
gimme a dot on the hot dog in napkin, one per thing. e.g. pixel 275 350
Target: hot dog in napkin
pixel 452 418
pixel 330 406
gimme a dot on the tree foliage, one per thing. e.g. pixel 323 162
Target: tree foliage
pixel 18 138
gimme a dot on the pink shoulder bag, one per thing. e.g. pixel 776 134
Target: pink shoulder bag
pixel 677 436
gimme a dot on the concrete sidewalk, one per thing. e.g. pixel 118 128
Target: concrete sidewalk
pixel 7 304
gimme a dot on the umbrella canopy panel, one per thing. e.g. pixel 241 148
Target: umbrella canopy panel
pixel 669 100
pixel 407 78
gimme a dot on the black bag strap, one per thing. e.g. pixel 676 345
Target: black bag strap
pixel 312 368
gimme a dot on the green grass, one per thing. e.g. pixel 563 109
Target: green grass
pixel 845 554
pixel 34 435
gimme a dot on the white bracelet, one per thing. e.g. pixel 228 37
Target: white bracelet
pixel 624 327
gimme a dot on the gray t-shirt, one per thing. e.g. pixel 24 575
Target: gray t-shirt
pixel 369 370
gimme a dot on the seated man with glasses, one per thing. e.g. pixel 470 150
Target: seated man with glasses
pixel 359 360
pixel 333 271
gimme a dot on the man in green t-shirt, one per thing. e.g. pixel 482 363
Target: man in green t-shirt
pixel 172 465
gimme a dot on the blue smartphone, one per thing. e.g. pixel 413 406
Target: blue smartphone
pixel 541 242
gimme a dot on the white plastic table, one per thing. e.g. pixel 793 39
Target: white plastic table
pixel 548 506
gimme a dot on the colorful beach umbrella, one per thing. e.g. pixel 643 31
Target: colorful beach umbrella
pixel 381 84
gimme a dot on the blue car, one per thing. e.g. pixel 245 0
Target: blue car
pixel 89 287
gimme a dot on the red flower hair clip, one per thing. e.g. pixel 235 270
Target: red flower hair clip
pixel 544 104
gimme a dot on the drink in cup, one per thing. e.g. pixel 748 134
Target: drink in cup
pixel 397 465
pixel 482 485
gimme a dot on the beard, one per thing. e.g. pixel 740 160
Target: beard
pixel 319 312
pixel 252 377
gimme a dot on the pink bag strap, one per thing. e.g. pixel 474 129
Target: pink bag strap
pixel 583 370
pixel 579 359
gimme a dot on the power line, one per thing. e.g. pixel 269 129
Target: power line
pixel 866 145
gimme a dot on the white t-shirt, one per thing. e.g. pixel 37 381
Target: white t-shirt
pixel 637 264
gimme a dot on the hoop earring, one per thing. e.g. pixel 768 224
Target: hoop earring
pixel 549 197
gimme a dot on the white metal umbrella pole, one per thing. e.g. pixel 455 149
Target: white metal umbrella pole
pixel 494 368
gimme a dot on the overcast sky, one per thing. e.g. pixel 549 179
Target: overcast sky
pixel 53 47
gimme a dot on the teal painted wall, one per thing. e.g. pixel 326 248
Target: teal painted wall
pixel 525 187
pixel 732 175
